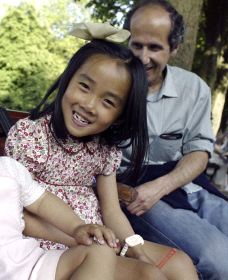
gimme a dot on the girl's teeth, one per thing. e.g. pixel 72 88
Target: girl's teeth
pixel 80 118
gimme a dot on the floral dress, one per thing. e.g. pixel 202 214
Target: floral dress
pixel 67 168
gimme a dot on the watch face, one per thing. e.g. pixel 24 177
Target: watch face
pixel 134 240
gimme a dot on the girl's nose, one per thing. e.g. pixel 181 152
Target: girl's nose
pixel 90 104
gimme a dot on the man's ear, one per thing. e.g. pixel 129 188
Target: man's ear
pixel 174 52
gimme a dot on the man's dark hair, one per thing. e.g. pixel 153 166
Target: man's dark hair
pixel 132 123
pixel 176 35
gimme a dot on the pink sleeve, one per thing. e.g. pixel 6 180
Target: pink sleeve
pixel 27 143
pixel 30 190
pixel 112 160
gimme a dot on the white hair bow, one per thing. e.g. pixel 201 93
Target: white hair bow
pixel 104 31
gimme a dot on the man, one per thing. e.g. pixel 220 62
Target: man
pixel 171 207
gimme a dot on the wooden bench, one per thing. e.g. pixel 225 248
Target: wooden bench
pixel 7 119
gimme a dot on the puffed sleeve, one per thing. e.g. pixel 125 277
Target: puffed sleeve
pixel 27 143
pixel 30 190
pixel 112 161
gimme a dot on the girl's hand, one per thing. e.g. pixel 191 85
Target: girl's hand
pixel 87 234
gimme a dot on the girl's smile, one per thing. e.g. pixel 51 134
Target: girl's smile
pixel 95 96
pixel 79 120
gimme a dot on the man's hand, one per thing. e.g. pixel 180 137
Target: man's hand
pixel 186 170
pixel 148 194
pixel 89 233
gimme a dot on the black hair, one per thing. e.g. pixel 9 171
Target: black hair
pixel 132 123
pixel 177 31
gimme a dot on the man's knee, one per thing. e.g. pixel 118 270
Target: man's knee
pixel 213 262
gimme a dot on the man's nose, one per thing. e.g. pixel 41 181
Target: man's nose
pixel 144 56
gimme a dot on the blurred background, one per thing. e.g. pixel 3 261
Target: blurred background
pixel 35 46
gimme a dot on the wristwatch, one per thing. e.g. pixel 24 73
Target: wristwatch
pixel 131 241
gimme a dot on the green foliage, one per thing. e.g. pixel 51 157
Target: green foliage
pixel 110 10
pixel 31 57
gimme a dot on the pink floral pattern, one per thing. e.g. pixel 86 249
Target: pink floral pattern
pixel 67 168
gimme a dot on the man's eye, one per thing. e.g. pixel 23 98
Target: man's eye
pixel 154 48
pixel 136 46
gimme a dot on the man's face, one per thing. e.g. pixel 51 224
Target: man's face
pixel 150 28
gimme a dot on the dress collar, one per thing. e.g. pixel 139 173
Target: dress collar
pixel 72 144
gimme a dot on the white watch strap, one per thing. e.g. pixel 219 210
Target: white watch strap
pixel 124 250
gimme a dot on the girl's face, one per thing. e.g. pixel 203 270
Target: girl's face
pixel 95 96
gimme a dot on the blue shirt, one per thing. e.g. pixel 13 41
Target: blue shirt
pixel 179 118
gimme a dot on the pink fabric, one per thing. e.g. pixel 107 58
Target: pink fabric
pixel 30 189
pixel 18 255
pixel 20 258
pixel 46 266
pixel 66 168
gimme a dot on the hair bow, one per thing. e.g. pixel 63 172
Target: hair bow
pixel 104 31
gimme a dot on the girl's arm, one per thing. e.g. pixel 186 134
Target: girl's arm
pixel 39 228
pixel 113 216
pixel 54 211
pixel 59 223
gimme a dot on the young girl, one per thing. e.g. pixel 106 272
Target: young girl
pixel 100 101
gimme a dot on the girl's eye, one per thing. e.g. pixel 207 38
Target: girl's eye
pixel 109 103
pixel 84 86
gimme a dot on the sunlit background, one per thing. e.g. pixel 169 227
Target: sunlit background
pixel 35 46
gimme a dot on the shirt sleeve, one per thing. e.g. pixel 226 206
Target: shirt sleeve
pixel 27 143
pixel 112 161
pixel 30 190
pixel 199 135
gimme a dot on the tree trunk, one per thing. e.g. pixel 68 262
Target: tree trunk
pixel 214 58
pixel 224 121
pixel 215 32
pixel 222 83
pixel 190 9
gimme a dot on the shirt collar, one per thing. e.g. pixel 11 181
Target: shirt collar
pixel 168 88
